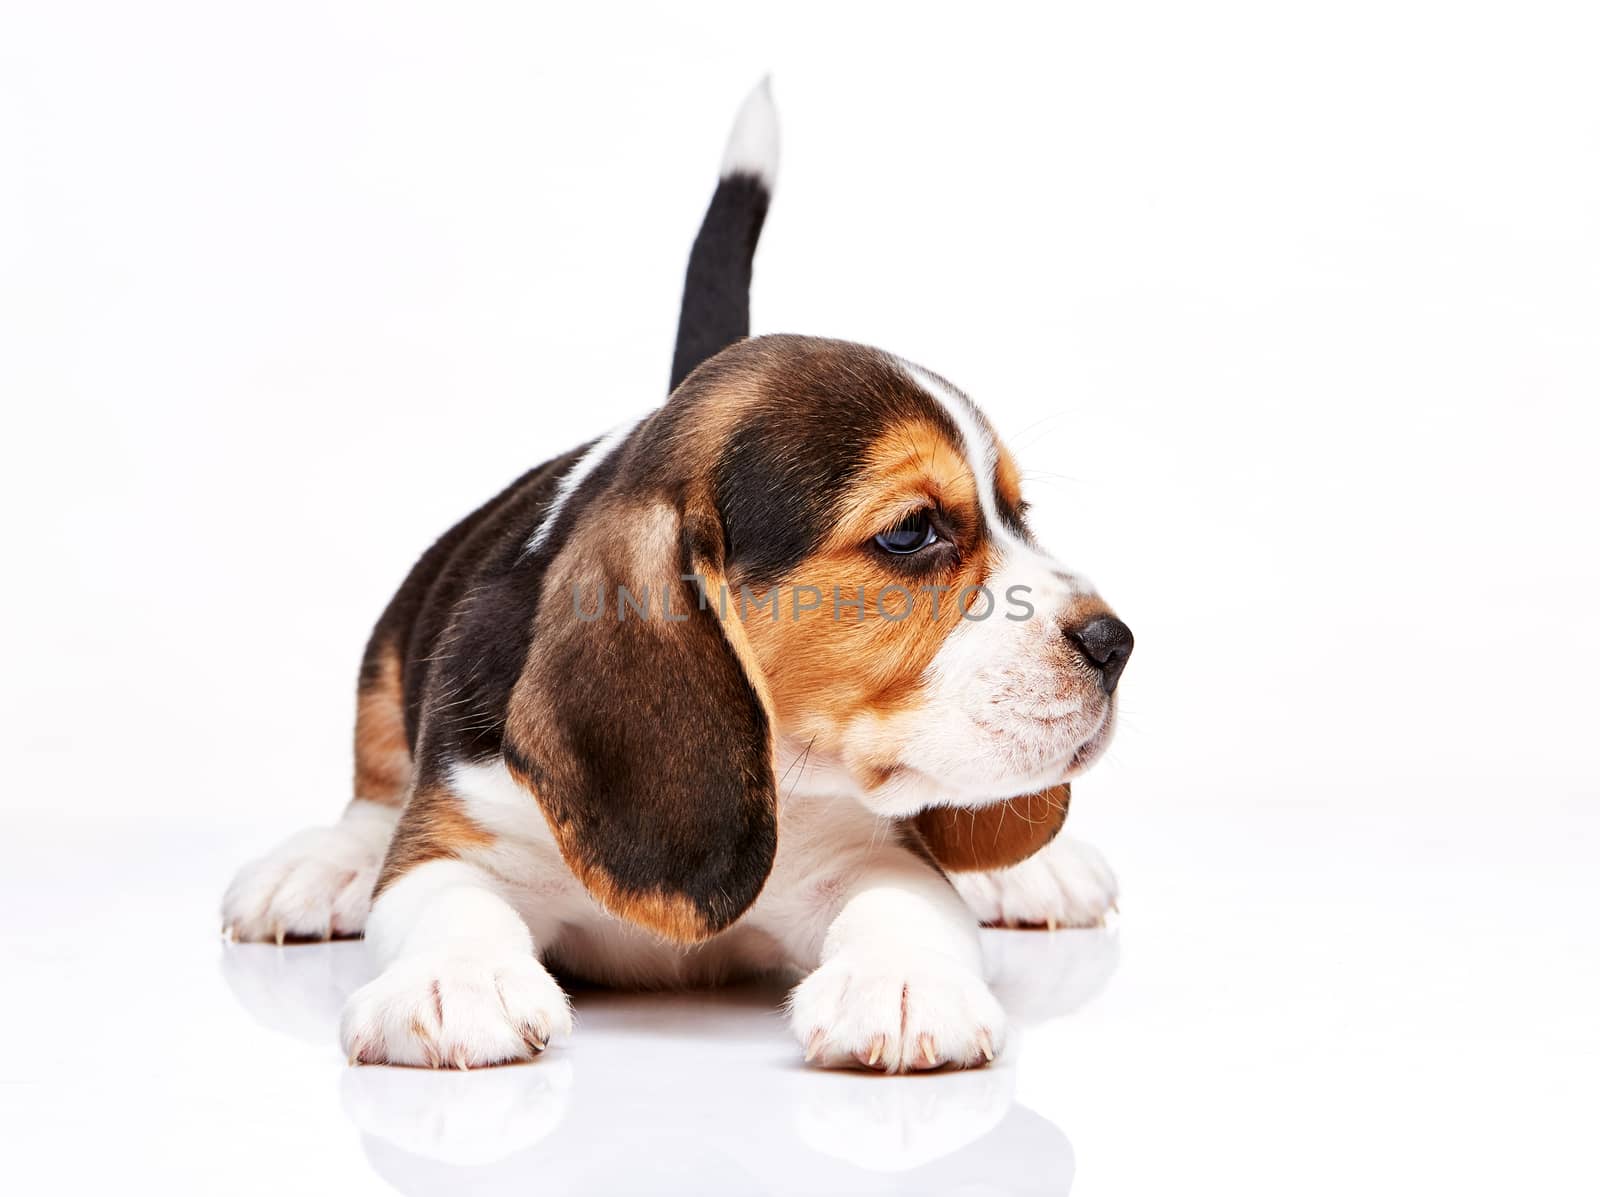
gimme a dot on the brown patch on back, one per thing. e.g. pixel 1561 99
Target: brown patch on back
pixel 433 827
pixel 969 840
pixel 383 757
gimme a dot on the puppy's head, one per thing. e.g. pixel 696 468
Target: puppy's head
pixel 844 545
pixel 923 647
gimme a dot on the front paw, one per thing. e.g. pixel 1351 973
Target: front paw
pixel 924 1011
pixel 316 885
pixel 1065 884
pixel 455 1011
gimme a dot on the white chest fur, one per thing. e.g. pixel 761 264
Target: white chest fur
pixel 823 844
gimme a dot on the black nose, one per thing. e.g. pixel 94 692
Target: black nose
pixel 1108 644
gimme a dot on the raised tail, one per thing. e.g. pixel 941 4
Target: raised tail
pixel 716 287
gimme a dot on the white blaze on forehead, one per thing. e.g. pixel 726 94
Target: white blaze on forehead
pixel 982 453
pixel 983 456
pixel 573 478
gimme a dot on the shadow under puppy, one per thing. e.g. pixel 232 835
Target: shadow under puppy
pixel 776 677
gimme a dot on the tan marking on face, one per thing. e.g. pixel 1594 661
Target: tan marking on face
pixel 716 583
pixel 911 466
pixel 383 758
pixel 834 681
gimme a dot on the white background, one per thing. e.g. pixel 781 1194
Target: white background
pixel 1288 312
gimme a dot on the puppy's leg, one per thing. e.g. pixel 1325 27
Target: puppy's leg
pixel 461 983
pixel 1066 883
pixel 318 883
pixel 900 984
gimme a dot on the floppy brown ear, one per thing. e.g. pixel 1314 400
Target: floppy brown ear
pixel 645 740
pixel 975 839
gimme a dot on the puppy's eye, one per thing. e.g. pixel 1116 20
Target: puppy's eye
pixel 910 535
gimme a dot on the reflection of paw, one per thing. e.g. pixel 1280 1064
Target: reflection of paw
pixel 924 1011
pixel 1040 977
pixel 315 885
pixel 1065 884
pixel 452 1010
pixel 464 1120
pixel 897 1125
pixel 300 992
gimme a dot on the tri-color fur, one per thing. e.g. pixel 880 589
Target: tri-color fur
pixel 683 790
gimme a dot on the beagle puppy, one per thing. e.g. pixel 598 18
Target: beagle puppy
pixel 776 677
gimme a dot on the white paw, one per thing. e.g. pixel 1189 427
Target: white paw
pixel 1065 884
pixel 455 1010
pixel 314 885
pixel 924 1011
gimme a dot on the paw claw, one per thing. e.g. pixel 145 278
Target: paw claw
pixel 895 1015
pixel 1066 884
pixel 454 1011
pixel 814 1044
pixel 316 885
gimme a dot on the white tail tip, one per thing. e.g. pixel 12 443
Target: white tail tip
pixel 753 144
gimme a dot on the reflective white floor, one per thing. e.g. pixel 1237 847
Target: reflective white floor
pixel 1289 1004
